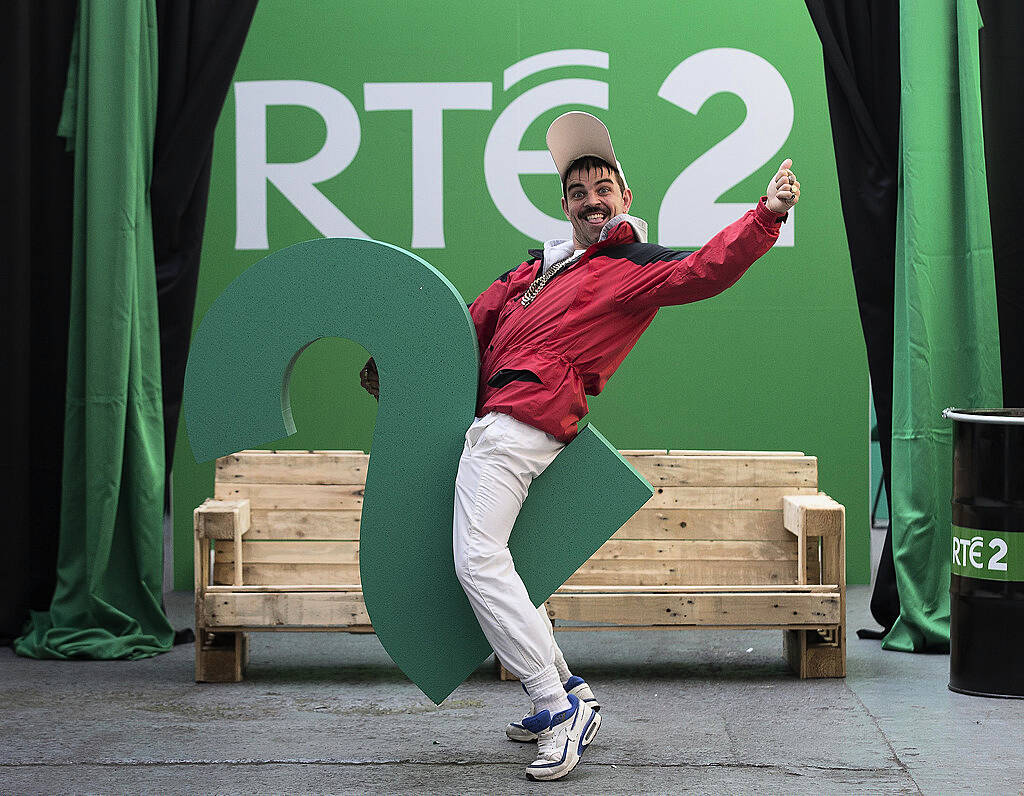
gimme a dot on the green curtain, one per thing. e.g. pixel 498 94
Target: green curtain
pixel 107 603
pixel 946 349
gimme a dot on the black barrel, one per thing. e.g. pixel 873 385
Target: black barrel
pixel 986 590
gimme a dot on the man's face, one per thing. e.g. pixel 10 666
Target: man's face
pixel 592 196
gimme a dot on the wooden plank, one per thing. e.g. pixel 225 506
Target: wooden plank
pixel 594 573
pixel 830 660
pixel 566 589
pixel 683 573
pixel 812 515
pixel 298 609
pixel 755 524
pixel 262 452
pixel 293 467
pixel 724 497
pixel 221 519
pixel 723 609
pixel 621 628
pixel 200 563
pixel 352 587
pixel 825 660
pixel 833 552
pixel 813 567
pixel 803 548
pixel 794 649
pixel 294 496
pixel 807 558
pixel 326 524
pixel 800 471
pixel 236 552
pixel 355 587
pixel 733 453
pixel 689 550
pixel 302 629
pixel 300 553
pixel 787 588
pixel 284 574
pixel 642 452
pixel 221 657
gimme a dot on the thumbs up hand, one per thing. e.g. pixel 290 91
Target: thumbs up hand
pixel 783 190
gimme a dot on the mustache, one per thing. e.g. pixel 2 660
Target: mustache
pixel 593 209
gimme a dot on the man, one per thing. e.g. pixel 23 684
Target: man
pixel 552 331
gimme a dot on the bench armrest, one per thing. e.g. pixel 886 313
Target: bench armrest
pixel 807 516
pixel 219 519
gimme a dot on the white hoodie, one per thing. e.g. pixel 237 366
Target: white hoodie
pixel 559 249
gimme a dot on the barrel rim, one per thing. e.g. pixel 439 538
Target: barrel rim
pixel 1004 416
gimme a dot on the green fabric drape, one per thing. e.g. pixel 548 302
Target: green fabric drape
pixel 109 569
pixel 946 349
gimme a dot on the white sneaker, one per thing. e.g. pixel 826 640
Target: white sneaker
pixel 576 686
pixel 561 743
pixel 517 732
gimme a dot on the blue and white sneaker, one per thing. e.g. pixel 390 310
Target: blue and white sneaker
pixel 561 739
pixel 577 686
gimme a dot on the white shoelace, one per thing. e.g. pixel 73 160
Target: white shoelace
pixel 547 745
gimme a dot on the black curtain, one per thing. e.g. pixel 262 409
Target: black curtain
pixel 35 226
pixel 1002 75
pixel 860 43
pixel 199 42
pixel 199 45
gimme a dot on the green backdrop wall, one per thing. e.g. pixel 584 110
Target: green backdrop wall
pixel 404 125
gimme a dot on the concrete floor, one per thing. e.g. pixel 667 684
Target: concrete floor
pixel 685 712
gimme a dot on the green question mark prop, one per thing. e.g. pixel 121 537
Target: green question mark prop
pixel 418 329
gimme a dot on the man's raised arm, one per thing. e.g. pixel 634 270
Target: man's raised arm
pixel 678 277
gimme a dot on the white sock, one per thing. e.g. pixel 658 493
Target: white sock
pixel 554 703
pixel 560 665
pixel 563 668
pixel 546 691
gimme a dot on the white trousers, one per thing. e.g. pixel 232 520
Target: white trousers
pixel 500 459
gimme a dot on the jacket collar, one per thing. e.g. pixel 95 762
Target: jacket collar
pixel 616 229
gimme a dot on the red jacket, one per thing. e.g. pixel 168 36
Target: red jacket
pixel 538 363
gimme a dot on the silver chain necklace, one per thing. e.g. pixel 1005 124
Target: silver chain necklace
pixel 547 276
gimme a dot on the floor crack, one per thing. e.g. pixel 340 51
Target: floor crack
pixel 888 743
pixel 250 762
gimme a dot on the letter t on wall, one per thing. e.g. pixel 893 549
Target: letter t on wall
pixel 427 101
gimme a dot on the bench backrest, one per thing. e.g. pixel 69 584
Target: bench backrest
pixel 305 509
pixel 715 519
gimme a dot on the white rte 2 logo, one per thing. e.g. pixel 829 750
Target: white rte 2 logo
pixel 684 220
pixel 970 553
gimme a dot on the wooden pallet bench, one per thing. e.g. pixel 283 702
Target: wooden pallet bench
pixel 731 539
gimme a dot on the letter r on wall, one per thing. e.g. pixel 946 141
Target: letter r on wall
pixel 296 181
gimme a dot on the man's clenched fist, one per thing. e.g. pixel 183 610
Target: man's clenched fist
pixel 783 190
pixel 369 380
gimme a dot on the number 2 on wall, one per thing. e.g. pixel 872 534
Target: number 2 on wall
pixel 689 217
